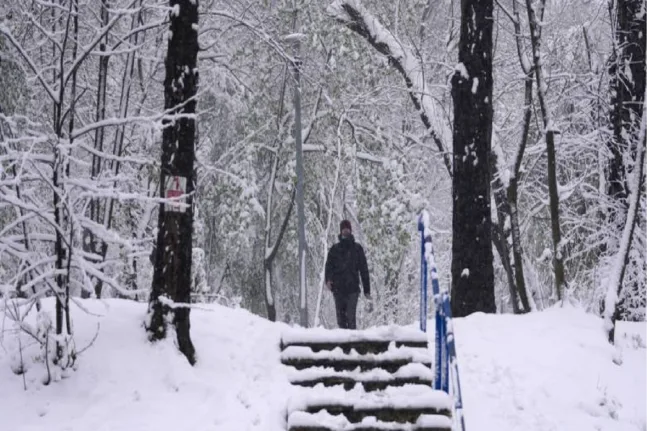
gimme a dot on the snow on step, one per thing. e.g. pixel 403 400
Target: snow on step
pixel 392 354
pixel 340 336
pixel 395 397
pixel 323 419
pixel 408 371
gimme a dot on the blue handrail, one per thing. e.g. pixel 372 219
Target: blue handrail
pixel 446 364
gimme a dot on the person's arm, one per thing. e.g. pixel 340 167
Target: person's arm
pixel 363 271
pixel 328 271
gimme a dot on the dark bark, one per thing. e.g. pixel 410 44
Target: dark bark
pixel 627 73
pixel 90 243
pixel 535 17
pixel 107 216
pixel 627 98
pixel 472 271
pixel 553 194
pixel 506 196
pixel 269 260
pixel 63 223
pixel 172 274
pixel 59 247
pixel 501 233
pixel 72 116
pixel 499 240
pixel 513 194
pixel 629 228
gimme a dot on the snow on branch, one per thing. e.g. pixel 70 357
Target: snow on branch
pixel 353 15
pixel 174 305
pixel 87 50
pixel 313 148
pixel 30 62
pixel 257 30
pixel 369 157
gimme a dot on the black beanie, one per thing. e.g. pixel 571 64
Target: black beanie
pixel 345 224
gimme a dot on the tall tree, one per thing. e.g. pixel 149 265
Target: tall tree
pixel 171 289
pixel 611 306
pixel 535 9
pixel 472 271
pixel 44 187
pixel 627 73
pixel 626 147
pixel 90 243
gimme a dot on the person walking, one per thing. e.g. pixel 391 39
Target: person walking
pixel 345 264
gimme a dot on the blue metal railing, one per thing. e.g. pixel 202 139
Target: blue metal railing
pixel 446 364
pixel 423 278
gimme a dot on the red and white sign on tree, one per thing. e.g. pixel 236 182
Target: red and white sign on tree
pixel 175 188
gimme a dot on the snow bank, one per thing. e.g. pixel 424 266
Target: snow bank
pixel 124 383
pixel 552 370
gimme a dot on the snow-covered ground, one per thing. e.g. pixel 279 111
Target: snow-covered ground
pixel 123 383
pixel 545 371
pixel 552 370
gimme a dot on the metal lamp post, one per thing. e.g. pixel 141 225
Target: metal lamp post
pixel 295 40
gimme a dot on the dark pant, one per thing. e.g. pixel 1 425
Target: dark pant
pixel 346 306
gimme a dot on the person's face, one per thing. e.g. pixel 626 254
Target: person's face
pixel 345 232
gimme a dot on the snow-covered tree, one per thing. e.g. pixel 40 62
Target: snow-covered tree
pixel 172 278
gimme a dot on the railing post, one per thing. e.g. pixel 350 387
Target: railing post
pixel 423 277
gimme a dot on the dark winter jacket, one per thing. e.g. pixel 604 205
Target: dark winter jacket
pixel 345 263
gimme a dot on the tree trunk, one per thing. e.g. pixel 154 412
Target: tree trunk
pixel 271 251
pixel 90 244
pixel 627 74
pixel 499 240
pixel 172 274
pixel 118 144
pixel 64 357
pixel 517 250
pixel 513 194
pixel 612 302
pixel 535 17
pixel 472 271
pixel 553 194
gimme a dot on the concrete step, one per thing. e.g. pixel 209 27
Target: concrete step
pixel 369 386
pixel 373 340
pixel 302 357
pixel 324 421
pixel 394 404
pixel 374 379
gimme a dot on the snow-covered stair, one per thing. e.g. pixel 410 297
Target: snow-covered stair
pixel 376 379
